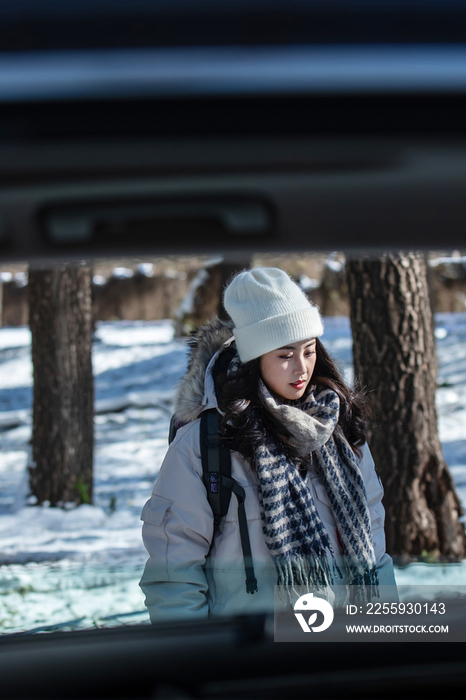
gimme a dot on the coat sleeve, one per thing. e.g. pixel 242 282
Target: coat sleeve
pixel 177 533
pixel 374 490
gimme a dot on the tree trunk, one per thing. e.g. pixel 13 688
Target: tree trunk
pixel 207 299
pixel 226 272
pixel 62 434
pixel 394 358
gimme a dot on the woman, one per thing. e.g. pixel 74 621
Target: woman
pixel 313 498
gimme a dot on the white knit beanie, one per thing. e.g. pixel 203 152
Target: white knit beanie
pixel 269 311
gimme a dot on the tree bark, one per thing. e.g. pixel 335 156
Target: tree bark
pixel 395 359
pixel 62 435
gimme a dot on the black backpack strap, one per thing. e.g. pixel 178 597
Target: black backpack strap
pixel 172 430
pixel 216 461
pixel 251 581
pixel 216 467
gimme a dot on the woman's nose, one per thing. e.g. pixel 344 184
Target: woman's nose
pixel 300 366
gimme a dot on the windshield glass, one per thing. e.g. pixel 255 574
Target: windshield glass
pixel 77 565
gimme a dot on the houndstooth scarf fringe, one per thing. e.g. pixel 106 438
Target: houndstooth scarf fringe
pixel 308 571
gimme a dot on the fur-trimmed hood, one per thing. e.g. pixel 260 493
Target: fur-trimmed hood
pixel 196 390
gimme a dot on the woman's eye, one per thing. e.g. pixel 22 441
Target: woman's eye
pixel 286 357
pixel 310 353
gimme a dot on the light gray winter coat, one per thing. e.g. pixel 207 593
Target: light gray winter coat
pixel 187 574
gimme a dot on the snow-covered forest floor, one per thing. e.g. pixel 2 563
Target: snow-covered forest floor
pixel 79 567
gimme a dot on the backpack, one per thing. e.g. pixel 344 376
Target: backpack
pixel 216 474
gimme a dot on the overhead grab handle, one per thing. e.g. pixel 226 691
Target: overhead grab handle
pixel 79 223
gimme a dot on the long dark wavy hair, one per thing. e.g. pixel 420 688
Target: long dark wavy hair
pixel 247 421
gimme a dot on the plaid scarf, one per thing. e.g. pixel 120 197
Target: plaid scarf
pixel 293 530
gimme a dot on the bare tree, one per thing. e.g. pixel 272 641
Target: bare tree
pixel 394 357
pixel 62 437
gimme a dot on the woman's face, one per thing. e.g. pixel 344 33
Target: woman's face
pixel 288 370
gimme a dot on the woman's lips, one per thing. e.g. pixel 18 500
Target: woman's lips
pixel 299 385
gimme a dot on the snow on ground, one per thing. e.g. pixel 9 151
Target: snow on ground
pixel 80 567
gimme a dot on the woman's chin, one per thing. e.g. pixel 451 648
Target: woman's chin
pixel 293 394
